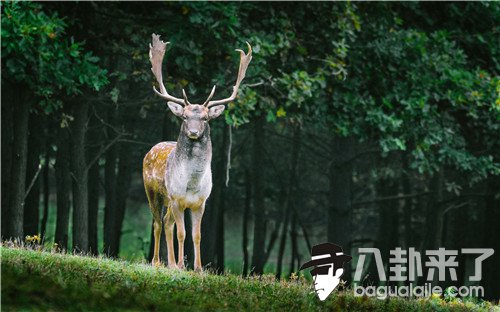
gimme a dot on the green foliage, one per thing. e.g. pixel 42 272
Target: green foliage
pixel 38 280
pixel 37 53
pixel 416 91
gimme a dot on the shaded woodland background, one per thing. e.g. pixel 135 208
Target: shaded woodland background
pixel 363 124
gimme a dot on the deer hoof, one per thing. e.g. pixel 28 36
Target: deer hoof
pixel 172 266
pixel 198 269
pixel 180 266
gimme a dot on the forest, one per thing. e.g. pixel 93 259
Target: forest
pixel 363 124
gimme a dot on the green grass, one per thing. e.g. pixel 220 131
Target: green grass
pixel 42 281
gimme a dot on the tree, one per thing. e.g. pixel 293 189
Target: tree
pixel 46 65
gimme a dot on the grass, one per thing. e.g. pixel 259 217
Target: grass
pixel 42 281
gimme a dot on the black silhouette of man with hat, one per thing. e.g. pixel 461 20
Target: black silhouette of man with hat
pixel 328 260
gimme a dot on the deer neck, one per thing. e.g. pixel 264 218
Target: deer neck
pixel 197 154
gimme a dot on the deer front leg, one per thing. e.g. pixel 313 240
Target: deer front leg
pixel 196 216
pixel 168 223
pixel 181 233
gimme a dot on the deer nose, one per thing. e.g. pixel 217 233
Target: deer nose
pixel 193 133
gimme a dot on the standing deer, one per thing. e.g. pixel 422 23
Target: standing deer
pixel 177 175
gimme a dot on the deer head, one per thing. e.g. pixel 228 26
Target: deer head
pixel 195 116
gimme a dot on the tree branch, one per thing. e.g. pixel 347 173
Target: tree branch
pixel 103 150
pixel 396 197
pixel 33 181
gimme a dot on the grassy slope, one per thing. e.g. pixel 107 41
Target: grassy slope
pixel 42 281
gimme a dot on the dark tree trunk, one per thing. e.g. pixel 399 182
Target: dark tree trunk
pixel 93 207
pixel 109 188
pixel 79 174
pixel 433 218
pixel 281 250
pixel 63 184
pixel 293 243
pixel 7 98
pixel 340 213
pixel 289 198
pixel 272 240
pixel 122 188
pixel 339 217
pixel 46 191
pixel 208 231
pixel 408 204
pixel 491 274
pixel 459 238
pixel 93 185
pixel 18 173
pixel 6 141
pixel 219 233
pixel 388 233
pixel 439 208
pixel 32 204
pixel 246 214
pixel 259 229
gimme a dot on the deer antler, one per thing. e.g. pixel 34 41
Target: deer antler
pixel 156 53
pixel 244 61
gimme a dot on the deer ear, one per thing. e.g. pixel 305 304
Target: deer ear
pixel 177 109
pixel 214 112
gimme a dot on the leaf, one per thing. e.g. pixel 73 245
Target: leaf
pixel 114 93
pixel 281 112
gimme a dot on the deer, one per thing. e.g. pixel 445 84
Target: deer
pixel 177 175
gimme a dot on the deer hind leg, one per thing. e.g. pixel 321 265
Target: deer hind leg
pixel 196 216
pixel 181 232
pixel 156 210
pixel 157 233
pixel 168 223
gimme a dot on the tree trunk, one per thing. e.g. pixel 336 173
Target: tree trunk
pixel 46 191
pixel 93 207
pixel 259 229
pixel 63 184
pixel 293 243
pixel 18 174
pixel 122 188
pixel 340 213
pixel 93 185
pixel 219 233
pixel 388 233
pixel 32 204
pixel 7 97
pixel 246 214
pixel 408 204
pixel 439 208
pixel 289 198
pixel 80 177
pixel 434 209
pixel 433 218
pixel 339 217
pixel 491 274
pixel 110 189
